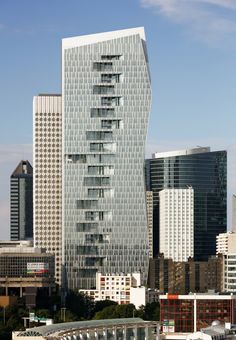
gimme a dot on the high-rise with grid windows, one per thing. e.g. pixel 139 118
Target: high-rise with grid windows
pixel 106 99
pixel 21 202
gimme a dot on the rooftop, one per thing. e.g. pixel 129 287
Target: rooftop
pixel 69 326
pixel 100 37
pixel 183 152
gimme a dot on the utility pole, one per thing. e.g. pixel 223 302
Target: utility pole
pixel 63 314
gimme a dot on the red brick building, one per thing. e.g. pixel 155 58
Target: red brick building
pixel 190 313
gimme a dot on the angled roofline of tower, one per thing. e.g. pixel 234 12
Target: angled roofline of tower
pixel 100 37
pixel 184 152
pixel 19 169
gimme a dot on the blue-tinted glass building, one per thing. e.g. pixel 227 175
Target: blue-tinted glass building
pixel 206 173
pixel 106 99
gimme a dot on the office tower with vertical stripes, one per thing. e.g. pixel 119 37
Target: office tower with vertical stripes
pixel 21 202
pixel 106 97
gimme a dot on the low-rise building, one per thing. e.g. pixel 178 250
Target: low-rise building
pixel 226 247
pixel 216 331
pixel 189 313
pixel 121 288
pixel 24 269
pixel 168 276
pixel 226 243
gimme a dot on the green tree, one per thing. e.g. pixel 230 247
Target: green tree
pixel 69 316
pixel 100 305
pixel 80 305
pixel 152 311
pixel 43 313
pixel 116 312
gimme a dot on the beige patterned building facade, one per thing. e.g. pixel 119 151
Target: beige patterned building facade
pixel 47 159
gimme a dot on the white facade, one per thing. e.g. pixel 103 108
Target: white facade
pixel 177 223
pixel 47 163
pixel 229 272
pixel 226 245
pixel 222 243
pixel 123 289
pixel 115 287
pixel 138 296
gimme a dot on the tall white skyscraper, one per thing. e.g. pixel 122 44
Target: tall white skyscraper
pixel 106 101
pixel 47 157
pixel 177 223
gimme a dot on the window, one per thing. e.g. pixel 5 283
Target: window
pixel 98 215
pixel 111 78
pixel 112 124
pixel 96 158
pixel 112 57
pixel 87 204
pixel 111 101
pixel 87 250
pixel 99 135
pixel 103 147
pixel 94 261
pixel 100 193
pixel 102 66
pixel 85 227
pixel 101 170
pixel 76 158
pixel 103 89
pixel 109 112
pixel 96 181
pixel 95 238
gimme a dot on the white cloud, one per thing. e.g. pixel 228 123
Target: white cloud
pixel 210 20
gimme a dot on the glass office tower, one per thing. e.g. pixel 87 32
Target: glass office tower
pixel 106 102
pixel 206 173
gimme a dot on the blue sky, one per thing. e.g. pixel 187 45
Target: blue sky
pixel 191 46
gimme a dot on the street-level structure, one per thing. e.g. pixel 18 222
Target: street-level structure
pixel 25 267
pixel 112 329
